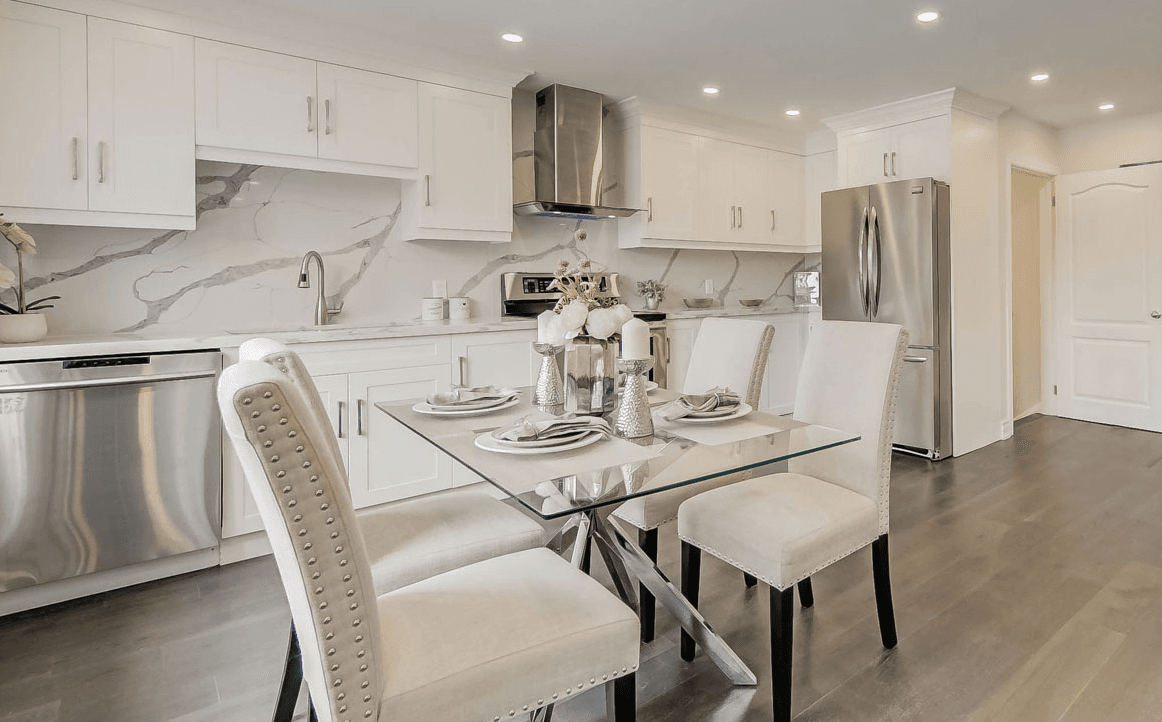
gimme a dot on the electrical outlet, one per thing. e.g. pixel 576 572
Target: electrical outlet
pixel 708 286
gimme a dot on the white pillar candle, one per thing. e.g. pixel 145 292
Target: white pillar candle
pixel 635 340
pixel 544 334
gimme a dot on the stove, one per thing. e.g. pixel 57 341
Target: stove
pixel 528 294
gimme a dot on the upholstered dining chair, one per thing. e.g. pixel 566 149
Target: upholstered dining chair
pixel 488 641
pixel 415 539
pixel 727 352
pixel 782 528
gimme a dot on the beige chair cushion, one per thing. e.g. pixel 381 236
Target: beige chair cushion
pixel 779 528
pixel 420 538
pixel 526 627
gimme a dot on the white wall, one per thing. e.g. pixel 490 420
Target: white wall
pixel 1111 142
pixel 1026 254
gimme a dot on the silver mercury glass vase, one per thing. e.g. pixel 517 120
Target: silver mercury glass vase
pixel 550 391
pixel 633 416
pixel 590 376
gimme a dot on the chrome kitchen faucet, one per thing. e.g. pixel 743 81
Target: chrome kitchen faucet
pixel 322 313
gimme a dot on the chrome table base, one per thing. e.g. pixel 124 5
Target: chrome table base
pixel 626 561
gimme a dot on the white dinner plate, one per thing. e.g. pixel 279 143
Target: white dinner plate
pixel 424 407
pixel 741 411
pixel 554 441
pixel 650 386
pixel 486 442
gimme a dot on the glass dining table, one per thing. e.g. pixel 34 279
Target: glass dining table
pixel 588 483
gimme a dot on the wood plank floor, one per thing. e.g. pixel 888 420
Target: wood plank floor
pixel 1027 579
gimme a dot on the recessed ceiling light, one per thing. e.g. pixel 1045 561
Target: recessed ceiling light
pixel 792 112
pixel 710 90
pixel 512 38
pixel 1106 106
pixel 1039 77
pixel 928 16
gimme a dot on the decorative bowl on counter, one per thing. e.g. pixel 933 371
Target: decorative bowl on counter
pixel 752 302
pixel 698 302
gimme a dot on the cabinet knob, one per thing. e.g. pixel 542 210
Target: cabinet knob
pixel 1156 314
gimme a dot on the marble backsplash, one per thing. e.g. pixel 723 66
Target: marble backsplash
pixel 238 270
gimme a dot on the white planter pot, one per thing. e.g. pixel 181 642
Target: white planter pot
pixel 22 327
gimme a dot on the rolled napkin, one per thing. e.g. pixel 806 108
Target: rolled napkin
pixel 716 399
pixel 528 430
pixel 471 396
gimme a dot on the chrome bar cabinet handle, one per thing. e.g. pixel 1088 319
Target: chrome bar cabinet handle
pixel 893 162
pixel 427 190
pixel 732 217
pixel 885 165
pixel 342 404
pixel 310 114
pixel 100 161
pixel 327 115
pixel 359 417
pixel 740 217
pixel 76 158
pixel 772 220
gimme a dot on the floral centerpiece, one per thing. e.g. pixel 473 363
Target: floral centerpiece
pixel 586 324
pixel 654 292
pixel 19 322
pixel 580 308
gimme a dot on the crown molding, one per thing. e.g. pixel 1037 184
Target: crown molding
pixel 911 109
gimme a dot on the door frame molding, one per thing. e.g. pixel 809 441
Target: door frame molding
pixel 1048 285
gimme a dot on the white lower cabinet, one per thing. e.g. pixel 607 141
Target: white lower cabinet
pixel 680 335
pixel 388 461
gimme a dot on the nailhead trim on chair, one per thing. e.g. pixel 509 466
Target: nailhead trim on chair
pixel 530 707
pixel 289 458
pixel 886 427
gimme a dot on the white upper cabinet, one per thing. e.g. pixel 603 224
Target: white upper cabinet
pixel 42 116
pixel 464 191
pixel 367 117
pixel 917 149
pixel 255 100
pixel 819 176
pixel 261 107
pixel 98 125
pixel 141 119
pixel 669 184
pixel 716 202
pixel 783 221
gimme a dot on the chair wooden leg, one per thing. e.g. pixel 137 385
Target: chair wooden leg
pixel 806 596
pixel 292 680
pixel 782 648
pixel 883 584
pixel 691 568
pixel 750 581
pixel 621 699
pixel 648 541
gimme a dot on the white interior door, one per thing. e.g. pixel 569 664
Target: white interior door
pixel 42 116
pixel 141 119
pixel 1109 297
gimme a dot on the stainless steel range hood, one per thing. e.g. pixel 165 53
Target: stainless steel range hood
pixel 567 158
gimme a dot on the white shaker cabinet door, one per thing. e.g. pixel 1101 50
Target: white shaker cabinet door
pixel 367 117
pixel 141 119
pixel 388 461
pixel 670 184
pixel 864 158
pixel 751 194
pixel 333 392
pixel 783 219
pixel 680 337
pixel 922 149
pixel 465 147
pixel 255 100
pixel 42 118
pixel 717 204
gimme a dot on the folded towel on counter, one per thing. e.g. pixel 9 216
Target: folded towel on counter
pixel 527 430
pixel 717 399
pixel 471 396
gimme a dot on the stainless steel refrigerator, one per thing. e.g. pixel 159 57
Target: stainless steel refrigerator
pixel 885 260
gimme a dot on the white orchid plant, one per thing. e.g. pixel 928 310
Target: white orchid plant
pixel 23 243
pixel 581 308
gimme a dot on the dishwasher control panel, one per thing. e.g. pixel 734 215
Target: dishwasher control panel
pixel 102 362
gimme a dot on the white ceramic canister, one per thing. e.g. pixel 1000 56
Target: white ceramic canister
pixel 432 309
pixel 458 308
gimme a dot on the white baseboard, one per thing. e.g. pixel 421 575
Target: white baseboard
pixel 1035 409
pixel 1006 429
pixel 243 547
pixel 42 595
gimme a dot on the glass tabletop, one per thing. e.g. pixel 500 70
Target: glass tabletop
pixel 611 469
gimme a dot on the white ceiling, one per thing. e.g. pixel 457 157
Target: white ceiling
pixel 824 57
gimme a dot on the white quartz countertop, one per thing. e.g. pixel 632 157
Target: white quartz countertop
pixel 162 341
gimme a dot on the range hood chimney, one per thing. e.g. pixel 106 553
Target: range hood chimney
pixel 567 157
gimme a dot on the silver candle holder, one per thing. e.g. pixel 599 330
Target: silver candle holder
pixel 550 391
pixel 633 416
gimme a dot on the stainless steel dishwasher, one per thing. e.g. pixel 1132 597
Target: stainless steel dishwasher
pixel 107 461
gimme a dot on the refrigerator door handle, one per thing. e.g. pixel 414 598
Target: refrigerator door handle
pixel 863 268
pixel 873 243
